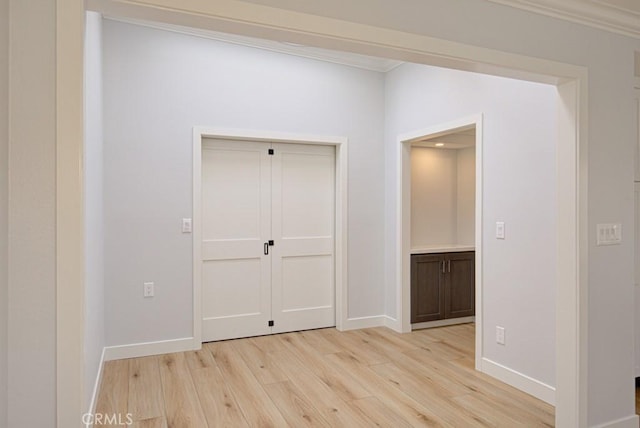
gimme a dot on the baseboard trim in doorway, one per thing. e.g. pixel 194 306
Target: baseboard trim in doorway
pixel 443 323
pixel 628 422
pixel 520 381
pixel 150 348
pixel 364 322
pixel 96 387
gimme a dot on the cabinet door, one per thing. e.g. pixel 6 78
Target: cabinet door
pixel 427 291
pixel 460 285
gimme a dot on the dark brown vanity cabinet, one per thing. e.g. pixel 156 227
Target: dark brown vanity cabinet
pixel 442 286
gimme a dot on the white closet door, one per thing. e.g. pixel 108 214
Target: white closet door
pixel 236 222
pixel 303 217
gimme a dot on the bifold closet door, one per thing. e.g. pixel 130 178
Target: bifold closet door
pixel 249 198
pixel 303 217
pixel 236 222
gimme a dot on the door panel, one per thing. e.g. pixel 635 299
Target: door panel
pixel 303 216
pixel 231 288
pixel 315 272
pixel 306 194
pixel 460 284
pixel 232 188
pixel 427 291
pixel 236 221
pixel 248 198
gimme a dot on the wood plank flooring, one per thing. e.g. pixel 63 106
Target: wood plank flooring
pixel 319 378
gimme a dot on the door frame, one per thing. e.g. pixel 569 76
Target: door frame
pixel 341 204
pixel 403 218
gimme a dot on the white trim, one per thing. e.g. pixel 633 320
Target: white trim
pixel 572 249
pixel 442 323
pixel 146 349
pixel 196 235
pixel 364 322
pixel 69 212
pixel 520 381
pixel 341 224
pixel 96 387
pixel 628 422
pixel 403 242
pixel 594 13
pixel 393 324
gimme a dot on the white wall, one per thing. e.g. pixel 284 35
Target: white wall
pixel 94 337
pixel 32 219
pixel 442 196
pixel 4 204
pixel 157 86
pixel 434 201
pixel 466 230
pixel 519 273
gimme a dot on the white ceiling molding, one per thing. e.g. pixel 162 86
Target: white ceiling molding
pixel 617 16
pixel 381 65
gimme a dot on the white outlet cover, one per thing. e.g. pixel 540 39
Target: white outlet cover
pixel 500 230
pixel 148 289
pixel 500 335
pixel 186 225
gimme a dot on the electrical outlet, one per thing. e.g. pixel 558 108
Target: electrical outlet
pixel 148 289
pixel 500 335
pixel 500 230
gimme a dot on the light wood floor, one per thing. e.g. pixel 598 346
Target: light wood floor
pixel 363 378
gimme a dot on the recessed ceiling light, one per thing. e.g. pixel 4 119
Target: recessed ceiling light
pixel 439 144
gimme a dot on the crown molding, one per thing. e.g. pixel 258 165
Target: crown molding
pixel 381 65
pixel 601 14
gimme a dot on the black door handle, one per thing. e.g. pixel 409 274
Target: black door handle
pixel 266 248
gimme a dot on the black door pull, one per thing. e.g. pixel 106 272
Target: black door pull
pixel 266 248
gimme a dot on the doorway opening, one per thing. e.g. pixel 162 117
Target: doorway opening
pixel 455 229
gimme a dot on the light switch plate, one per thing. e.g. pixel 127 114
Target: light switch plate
pixel 609 234
pixel 186 225
pixel 500 230
pixel 148 289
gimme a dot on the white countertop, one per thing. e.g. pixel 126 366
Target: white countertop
pixel 443 248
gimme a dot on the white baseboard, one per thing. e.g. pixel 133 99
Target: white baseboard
pixel 364 322
pixel 150 348
pixel 393 324
pixel 96 387
pixel 628 422
pixel 442 323
pixel 520 381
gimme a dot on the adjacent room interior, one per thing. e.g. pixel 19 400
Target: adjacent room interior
pixel 443 218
